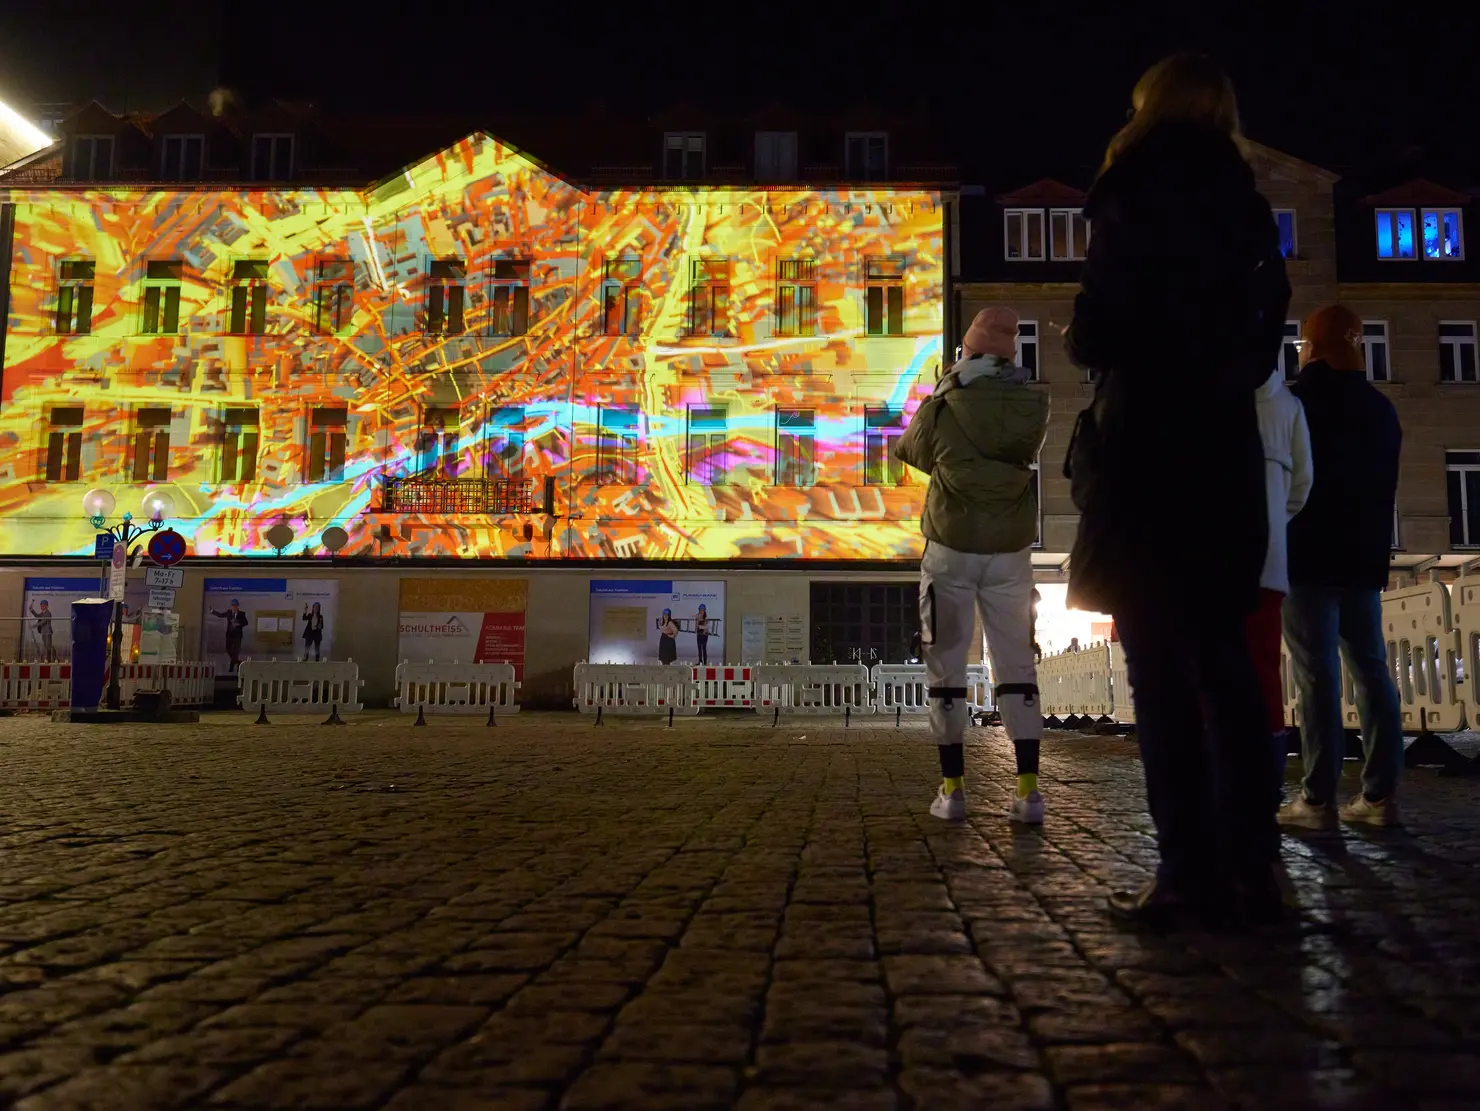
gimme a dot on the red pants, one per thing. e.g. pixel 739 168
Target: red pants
pixel 1263 630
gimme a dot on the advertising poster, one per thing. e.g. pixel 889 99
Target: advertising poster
pixel 264 619
pixel 463 621
pixel 46 612
pixel 636 621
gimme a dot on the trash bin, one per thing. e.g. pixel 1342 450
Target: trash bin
pixel 91 618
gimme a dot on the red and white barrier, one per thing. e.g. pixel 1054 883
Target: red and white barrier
pixel 35 686
pixel 724 687
pixel 189 684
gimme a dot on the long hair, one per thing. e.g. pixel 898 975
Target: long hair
pixel 1185 88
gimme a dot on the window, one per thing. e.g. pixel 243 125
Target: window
pixel 181 157
pixel 1068 234
pixel 326 443
pixel 1462 473
pixel 151 445
pixel 796 297
pixel 882 429
pixel 621 297
pixel 334 295
pixel 249 297
pixel 162 283
pixel 64 444
pixel 510 296
pixel 1443 234
pixel 1027 347
pixel 1375 349
pixel 683 155
pixel 1395 233
pixel 272 157
pixel 706 455
pixel 796 447
pixel 776 156
pixel 1037 468
pixel 709 303
pixel 884 296
pixel 446 285
pixel 867 155
pixel 1023 234
pixel 1456 352
pixel 618 436
pixel 504 445
pixel 865 623
pixel 92 157
pixel 239 438
pixel 437 442
pixel 1284 221
pixel 1289 357
pixel 75 297
pixel 1397 542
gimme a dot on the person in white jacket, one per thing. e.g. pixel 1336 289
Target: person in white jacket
pixel 1288 476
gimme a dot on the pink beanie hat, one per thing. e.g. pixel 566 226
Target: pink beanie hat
pixel 992 332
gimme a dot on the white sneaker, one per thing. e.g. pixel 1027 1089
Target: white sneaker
pixel 1384 812
pixel 951 807
pixel 1299 812
pixel 1026 809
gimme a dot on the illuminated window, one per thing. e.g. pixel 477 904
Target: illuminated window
pixel 709 303
pixel 882 429
pixel 249 297
pixel 884 296
pixel 162 283
pixel 334 295
pixel 867 155
pixel 446 286
pixel 510 297
pixel 240 436
pixel 272 157
pixel 775 156
pixel 327 434
pixel 683 155
pixel 1027 347
pixel 151 445
pixel 75 297
pixel 621 296
pixel 1395 233
pixel 618 438
pixel 181 157
pixel 1023 234
pixel 504 445
pixel 1284 221
pixel 796 447
pixel 1068 234
pixel 1443 234
pixel 1457 351
pixel 437 441
pixel 707 461
pixel 796 297
pixel 1462 475
pixel 92 157
pixel 1288 362
pixel 1375 349
pixel 64 444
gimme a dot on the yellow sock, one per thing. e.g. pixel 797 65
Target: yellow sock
pixel 1027 784
pixel 953 784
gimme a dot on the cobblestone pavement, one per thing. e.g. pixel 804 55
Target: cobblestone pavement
pixel 550 915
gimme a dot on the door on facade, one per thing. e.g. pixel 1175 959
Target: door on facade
pixel 865 623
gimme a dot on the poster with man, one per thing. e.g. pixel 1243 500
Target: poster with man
pixel 46 613
pixel 657 621
pixel 285 619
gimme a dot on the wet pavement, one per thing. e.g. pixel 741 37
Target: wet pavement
pixel 551 915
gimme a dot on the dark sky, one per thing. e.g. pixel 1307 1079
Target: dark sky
pixel 1047 80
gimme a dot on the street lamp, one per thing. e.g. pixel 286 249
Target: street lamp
pixel 96 506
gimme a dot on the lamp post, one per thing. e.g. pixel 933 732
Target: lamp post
pixel 96 505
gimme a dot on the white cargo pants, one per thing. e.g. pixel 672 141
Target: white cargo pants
pixel 1001 588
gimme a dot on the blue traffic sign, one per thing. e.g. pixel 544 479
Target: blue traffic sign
pixel 166 548
pixel 103 546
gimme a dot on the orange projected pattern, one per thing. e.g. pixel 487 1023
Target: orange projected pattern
pixel 662 444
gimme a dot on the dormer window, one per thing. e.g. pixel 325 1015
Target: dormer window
pixel 1022 234
pixel 92 157
pixel 867 155
pixel 1284 222
pixel 1443 234
pixel 1395 235
pixel 181 157
pixel 272 157
pixel 683 155
pixel 1068 235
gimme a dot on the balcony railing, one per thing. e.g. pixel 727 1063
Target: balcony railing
pixel 436 496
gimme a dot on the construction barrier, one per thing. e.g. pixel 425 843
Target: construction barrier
pixel 1122 708
pixel 812 688
pixel 723 687
pixel 978 688
pixel 1077 683
pixel 1423 654
pixel 456 688
pixel 901 688
pixel 634 689
pixel 1465 646
pixel 300 686
pixel 35 686
pixel 189 684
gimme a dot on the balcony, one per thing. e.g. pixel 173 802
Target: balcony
pixel 438 496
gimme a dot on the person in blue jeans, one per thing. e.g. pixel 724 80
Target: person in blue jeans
pixel 1340 546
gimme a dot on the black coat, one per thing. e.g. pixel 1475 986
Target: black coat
pixel 1343 536
pixel 1180 316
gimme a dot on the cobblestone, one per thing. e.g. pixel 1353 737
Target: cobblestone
pixel 548 916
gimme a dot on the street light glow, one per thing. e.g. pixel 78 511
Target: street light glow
pixel 22 131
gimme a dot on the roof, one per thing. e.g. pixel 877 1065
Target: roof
pixel 1416 193
pixel 1045 192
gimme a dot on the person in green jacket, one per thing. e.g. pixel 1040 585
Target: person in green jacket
pixel 977 437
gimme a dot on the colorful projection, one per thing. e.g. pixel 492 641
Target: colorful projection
pixel 430 364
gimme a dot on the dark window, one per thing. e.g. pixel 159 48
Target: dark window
pixel 75 297
pixel 1022 231
pixel 618 440
pixel 162 284
pixel 334 295
pixel 796 297
pixel 327 429
pixel 867 155
pixel 272 157
pixel 437 442
pixel 1289 358
pixel 709 302
pixel 707 454
pixel 882 429
pixel 796 447
pixel 92 157
pixel 511 296
pixel 884 296
pixel 865 623
pixel 181 157
pixel 504 445
pixel 239 440
pixel 683 155
pixel 151 445
pixel 1027 347
pixel 1375 349
pixel 621 297
pixel 64 445
pixel 1462 470
pixel 446 286
pixel 249 297
pixel 1457 352
pixel 776 156
pixel 1068 234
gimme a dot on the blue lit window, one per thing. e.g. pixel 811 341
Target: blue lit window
pixel 1443 235
pixel 1395 233
pixel 1284 219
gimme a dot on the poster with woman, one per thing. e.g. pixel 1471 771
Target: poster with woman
pixel 656 621
pixel 285 619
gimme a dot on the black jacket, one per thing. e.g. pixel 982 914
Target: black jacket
pixel 1344 535
pixel 1180 316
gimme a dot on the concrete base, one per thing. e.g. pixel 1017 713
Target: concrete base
pixel 126 717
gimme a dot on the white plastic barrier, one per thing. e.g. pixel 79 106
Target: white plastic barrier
pixel 456 688
pixel 978 688
pixel 1422 654
pixel 35 686
pixel 189 684
pixel 300 686
pixel 1077 683
pixel 725 686
pixel 1465 613
pixel 1122 709
pixel 902 688
pixel 812 688
pixel 634 689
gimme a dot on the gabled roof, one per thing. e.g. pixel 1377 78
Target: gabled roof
pixel 1045 191
pixel 1415 193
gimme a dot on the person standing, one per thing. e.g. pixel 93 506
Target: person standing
pixel 701 634
pixel 236 624
pixel 667 638
pixel 1179 317
pixel 977 436
pixel 313 630
pixel 44 631
pixel 1340 547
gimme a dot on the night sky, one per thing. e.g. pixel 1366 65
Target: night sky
pixel 1048 82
